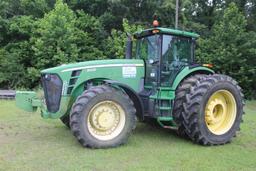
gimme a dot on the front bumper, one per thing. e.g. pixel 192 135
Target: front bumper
pixel 29 101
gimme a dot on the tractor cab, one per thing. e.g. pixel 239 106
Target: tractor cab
pixel 165 52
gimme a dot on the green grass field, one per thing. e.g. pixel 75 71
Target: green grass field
pixel 28 142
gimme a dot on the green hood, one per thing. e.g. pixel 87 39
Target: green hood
pixel 81 65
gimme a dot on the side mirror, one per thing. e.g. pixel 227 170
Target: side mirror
pixel 128 51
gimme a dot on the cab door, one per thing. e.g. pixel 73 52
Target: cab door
pixel 177 52
pixel 150 51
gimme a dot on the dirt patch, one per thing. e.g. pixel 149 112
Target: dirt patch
pixel 3 139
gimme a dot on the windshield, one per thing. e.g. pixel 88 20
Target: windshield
pixel 173 48
pixel 177 49
pixel 165 56
pixel 149 48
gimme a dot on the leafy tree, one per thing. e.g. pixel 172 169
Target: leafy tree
pixel 54 39
pixel 246 74
pixel 93 27
pixel 250 9
pixel 3 31
pixel 58 40
pixel 16 52
pixel 116 43
pixel 228 49
pixel 60 37
pixel 36 8
pixel 92 7
pixel 113 17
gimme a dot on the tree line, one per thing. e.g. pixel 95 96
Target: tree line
pixel 38 34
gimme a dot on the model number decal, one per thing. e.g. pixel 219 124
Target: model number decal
pixel 91 70
pixel 129 72
pixel 64 88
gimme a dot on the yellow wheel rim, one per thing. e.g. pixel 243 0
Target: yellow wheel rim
pixel 220 112
pixel 106 120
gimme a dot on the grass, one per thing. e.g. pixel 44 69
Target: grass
pixel 28 142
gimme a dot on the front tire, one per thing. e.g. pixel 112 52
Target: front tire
pixel 102 117
pixel 213 110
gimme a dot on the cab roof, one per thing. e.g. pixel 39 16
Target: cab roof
pixel 160 30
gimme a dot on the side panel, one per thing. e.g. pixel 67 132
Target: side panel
pixel 129 74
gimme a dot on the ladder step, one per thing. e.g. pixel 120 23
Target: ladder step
pixel 164 108
pixel 161 98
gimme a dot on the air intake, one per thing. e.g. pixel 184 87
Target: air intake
pixel 74 76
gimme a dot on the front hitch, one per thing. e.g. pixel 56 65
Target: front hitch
pixel 28 101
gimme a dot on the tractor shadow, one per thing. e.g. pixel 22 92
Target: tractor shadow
pixel 144 133
pixel 147 131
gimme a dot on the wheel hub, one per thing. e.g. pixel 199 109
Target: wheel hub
pixel 106 120
pixel 215 111
pixel 220 112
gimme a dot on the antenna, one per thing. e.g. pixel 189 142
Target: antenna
pixel 177 14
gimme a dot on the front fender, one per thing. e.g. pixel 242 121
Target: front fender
pixel 138 104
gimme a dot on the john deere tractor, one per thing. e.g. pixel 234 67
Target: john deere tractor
pixel 101 100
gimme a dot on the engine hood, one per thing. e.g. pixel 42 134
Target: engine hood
pixel 90 64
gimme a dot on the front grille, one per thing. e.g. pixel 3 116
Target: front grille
pixel 52 86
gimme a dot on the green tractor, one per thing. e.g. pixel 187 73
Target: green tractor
pixel 101 100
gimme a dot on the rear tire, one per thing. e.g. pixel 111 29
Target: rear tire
pixel 213 110
pixel 180 98
pixel 102 117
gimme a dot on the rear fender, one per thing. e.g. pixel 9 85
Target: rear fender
pixel 187 71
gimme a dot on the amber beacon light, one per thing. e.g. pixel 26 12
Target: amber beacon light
pixel 155 23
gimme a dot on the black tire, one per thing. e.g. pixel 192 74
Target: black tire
pixel 81 109
pixel 65 119
pixel 180 98
pixel 194 109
